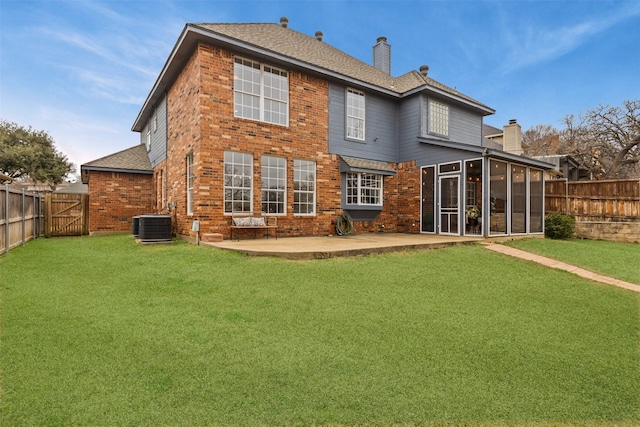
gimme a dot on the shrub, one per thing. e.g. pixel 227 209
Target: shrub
pixel 559 226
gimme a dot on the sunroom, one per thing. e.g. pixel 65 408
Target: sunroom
pixel 482 192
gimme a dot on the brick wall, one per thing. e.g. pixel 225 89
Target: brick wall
pixel 200 106
pixel 115 198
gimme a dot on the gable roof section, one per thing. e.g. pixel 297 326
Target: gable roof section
pixel 132 160
pixel 284 45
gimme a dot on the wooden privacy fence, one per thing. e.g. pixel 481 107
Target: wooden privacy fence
pixel 21 217
pixel 66 214
pixel 604 210
pixel 25 216
pixel 605 199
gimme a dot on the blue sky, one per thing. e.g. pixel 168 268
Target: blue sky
pixel 81 70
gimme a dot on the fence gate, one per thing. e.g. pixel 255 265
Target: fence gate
pixel 66 214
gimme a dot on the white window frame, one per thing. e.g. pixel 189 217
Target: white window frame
pixel 190 180
pixel 304 188
pixel 359 190
pixel 261 92
pixel 238 182
pixel 438 120
pixel 274 172
pixel 355 118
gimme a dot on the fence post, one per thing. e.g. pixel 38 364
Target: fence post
pixel 47 213
pixel 24 219
pixel 6 218
pixel 566 196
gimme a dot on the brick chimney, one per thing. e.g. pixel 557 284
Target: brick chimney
pixel 512 142
pixel 382 55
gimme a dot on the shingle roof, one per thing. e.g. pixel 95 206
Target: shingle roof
pixel 291 47
pixel 293 44
pixel 134 159
pixel 364 164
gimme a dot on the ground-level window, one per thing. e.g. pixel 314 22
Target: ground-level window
pixel 238 182
pixel 518 199
pixel 498 199
pixel 364 189
pixel 304 187
pixel 536 196
pixel 473 197
pixel 428 223
pixel 274 184
pixel 190 179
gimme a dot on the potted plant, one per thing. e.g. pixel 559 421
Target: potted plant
pixel 472 213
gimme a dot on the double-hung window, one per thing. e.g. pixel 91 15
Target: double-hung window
pixel 261 92
pixel 190 179
pixel 238 182
pixel 304 187
pixel 438 118
pixel 355 114
pixel 364 189
pixel 274 184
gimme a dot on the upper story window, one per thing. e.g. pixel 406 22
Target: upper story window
pixel 261 92
pixel 364 189
pixel 438 118
pixel 147 142
pixel 355 114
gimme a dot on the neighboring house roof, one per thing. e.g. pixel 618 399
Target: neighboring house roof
pixel 286 46
pixel 488 130
pixel 132 160
pixel 75 188
pixel 5 179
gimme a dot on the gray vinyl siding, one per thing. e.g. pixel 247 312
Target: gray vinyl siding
pixel 409 116
pixel 380 133
pixel 464 125
pixel 158 151
pixel 434 155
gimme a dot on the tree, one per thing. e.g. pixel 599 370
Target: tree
pixel 28 153
pixel 605 140
pixel 541 140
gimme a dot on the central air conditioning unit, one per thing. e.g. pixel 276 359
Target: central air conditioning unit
pixel 154 228
pixel 135 226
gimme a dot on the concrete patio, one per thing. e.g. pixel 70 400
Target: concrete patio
pixel 319 247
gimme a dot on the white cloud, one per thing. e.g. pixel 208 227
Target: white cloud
pixel 536 44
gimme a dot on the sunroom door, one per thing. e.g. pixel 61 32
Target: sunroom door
pixel 450 205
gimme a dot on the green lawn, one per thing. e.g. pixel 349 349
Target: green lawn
pixel 102 331
pixel 619 260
